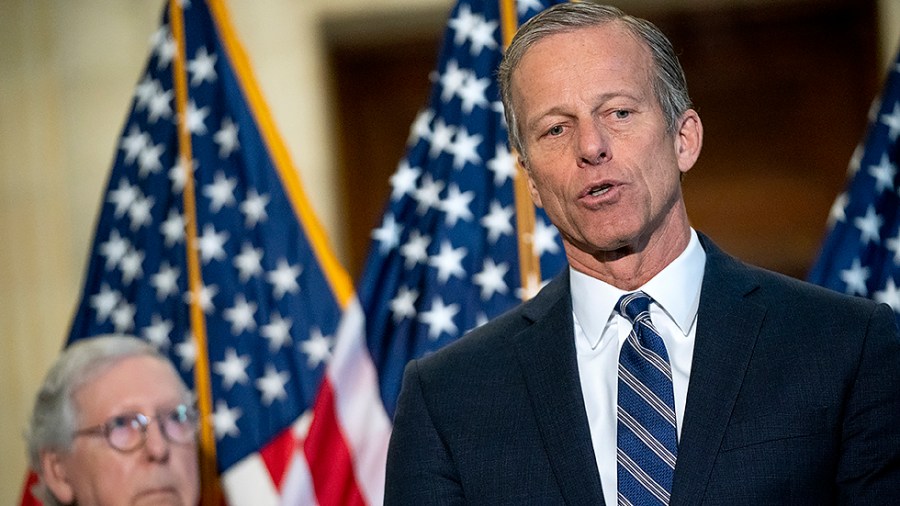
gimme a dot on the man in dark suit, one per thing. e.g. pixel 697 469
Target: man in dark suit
pixel 657 369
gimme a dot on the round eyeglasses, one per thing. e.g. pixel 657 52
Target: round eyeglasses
pixel 128 431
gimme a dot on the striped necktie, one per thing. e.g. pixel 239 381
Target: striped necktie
pixel 646 435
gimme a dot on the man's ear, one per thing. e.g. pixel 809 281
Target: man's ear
pixel 55 475
pixel 688 140
pixel 523 169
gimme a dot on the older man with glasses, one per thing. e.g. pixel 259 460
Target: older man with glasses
pixel 113 423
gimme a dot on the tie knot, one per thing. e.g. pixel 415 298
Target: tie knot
pixel 633 305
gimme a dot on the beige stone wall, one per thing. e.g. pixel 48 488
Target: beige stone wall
pixel 889 25
pixel 67 71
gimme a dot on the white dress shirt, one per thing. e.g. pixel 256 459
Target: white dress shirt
pixel 599 334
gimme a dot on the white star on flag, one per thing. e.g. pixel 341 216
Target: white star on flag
pixel 429 194
pixel 123 317
pixel 133 143
pixel 233 369
pixel 254 208
pixel 271 385
pixel 317 348
pixel 503 165
pixel 277 331
pixel 856 277
pixel 472 93
pixel 404 180
pixel 452 80
pixel 196 118
pixel 187 351
pixel 448 262
pixel 160 106
pixel 131 266
pixel 440 318
pixel 142 95
pixel 884 174
pixel 403 305
pixel 415 250
pixel 158 332
pixel 123 197
pixel 212 244
pixel 545 238
pixel 202 68
pixel 388 235
pixel 890 295
pixel 105 301
pixel 248 262
pixel 456 205
pixel 241 315
pixel 173 228
pixel 148 160
pixel 225 420
pixel 490 279
pixel 220 192
pixel 165 281
pixel 498 221
pixel 114 249
pixel 284 279
pixel 227 138
pixel 869 226
pixel 892 121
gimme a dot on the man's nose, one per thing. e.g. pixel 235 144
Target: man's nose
pixel 593 145
pixel 157 444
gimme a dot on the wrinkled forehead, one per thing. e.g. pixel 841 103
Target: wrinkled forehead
pixel 136 382
pixel 598 59
pixel 611 45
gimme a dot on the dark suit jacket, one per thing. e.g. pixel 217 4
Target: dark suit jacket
pixel 794 398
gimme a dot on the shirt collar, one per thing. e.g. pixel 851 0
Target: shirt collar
pixel 676 289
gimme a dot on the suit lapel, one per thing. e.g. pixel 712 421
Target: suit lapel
pixel 727 328
pixel 546 352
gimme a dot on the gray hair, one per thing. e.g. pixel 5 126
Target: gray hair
pixel 669 84
pixel 54 418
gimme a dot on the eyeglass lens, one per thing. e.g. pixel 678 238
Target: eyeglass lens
pixel 129 431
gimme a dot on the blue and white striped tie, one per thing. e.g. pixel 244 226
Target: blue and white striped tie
pixel 646 435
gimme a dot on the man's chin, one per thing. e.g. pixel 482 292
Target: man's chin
pixel 159 497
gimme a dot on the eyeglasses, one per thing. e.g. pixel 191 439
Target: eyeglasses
pixel 128 432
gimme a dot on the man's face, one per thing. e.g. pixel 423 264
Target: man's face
pixel 160 472
pixel 599 158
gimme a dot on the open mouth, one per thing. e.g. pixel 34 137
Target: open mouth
pixel 599 190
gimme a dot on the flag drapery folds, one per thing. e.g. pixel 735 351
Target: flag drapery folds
pixel 207 247
pixel 445 258
pixel 861 252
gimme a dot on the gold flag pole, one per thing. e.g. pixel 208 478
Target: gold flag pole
pixel 529 263
pixel 209 476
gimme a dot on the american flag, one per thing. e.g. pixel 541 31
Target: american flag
pixel 303 374
pixel 443 260
pixel 216 259
pixel 861 253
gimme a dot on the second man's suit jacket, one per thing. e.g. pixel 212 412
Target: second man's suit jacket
pixel 794 398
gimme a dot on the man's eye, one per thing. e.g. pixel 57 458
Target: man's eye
pixel 555 130
pixel 622 114
pixel 123 421
pixel 181 414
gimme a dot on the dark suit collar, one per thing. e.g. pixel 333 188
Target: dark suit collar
pixel 546 352
pixel 548 297
pixel 727 327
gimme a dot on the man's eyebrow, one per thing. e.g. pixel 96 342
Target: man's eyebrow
pixel 553 111
pixel 559 110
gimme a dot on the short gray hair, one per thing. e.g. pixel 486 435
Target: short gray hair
pixel 54 417
pixel 669 83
